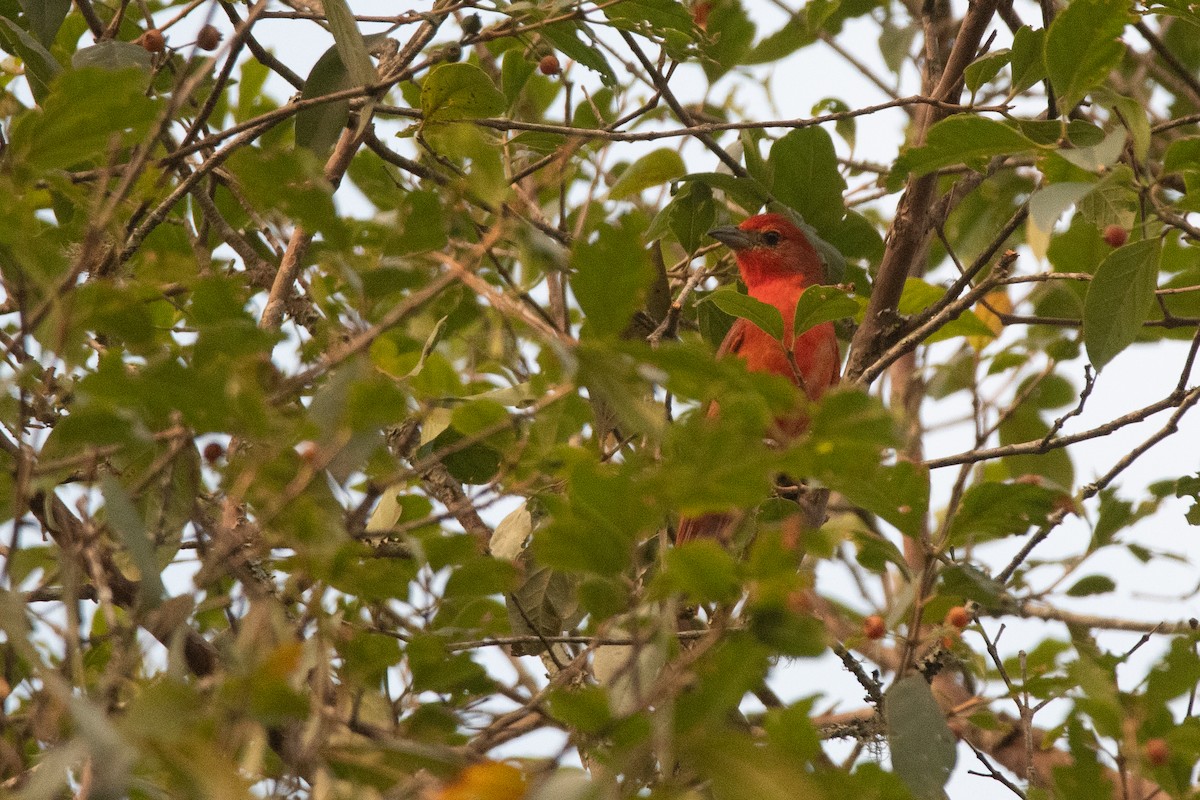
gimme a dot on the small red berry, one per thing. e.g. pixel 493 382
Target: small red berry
pixel 1158 752
pixel 213 452
pixel 209 38
pixel 152 40
pixel 958 617
pixel 1115 235
pixel 549 65
pixel 874 627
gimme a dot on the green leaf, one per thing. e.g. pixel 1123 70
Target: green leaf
pixel 515 70
pixel 1028 65
pixel 1133 115
pixel 984 68
pixel 898 493
pixel 350 43
pixel 919 295
pixel 45 17
pixel 652 169
pixel 924 749
pixel 691 214
pixel 545 603
pixel 847 127
pixel 40 67
pixel 1178 672
pixel 895 43
pixel 994 510
pixel 587 531
pixel 1183 155
pixel 703 572
pixel 1092 584
pixel 584 708
pixel 565 38
pixel 435 669
pixel 611 276
pixel 966 580
pixel 821 304
pixel 113 55
pixel 805 177
pixel 782 43
pixel 318 127
pixel 290 182
pixel 855 238
pixel 786 632
pixel 366 657
pixel 734 303
pixel 1119 299
pixel 791 729
pixel 659 15
pixel 961 139
pixel 1083 46
pixel 474 465
pixel 844 450
pixel 730 35
pixel 746 192
pixel 460 91
pixel 80 118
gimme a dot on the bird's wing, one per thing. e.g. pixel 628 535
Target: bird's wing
pixel 733 340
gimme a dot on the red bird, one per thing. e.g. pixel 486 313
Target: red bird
pixel 777 263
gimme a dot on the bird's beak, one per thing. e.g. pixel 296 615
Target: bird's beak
pixel 734 238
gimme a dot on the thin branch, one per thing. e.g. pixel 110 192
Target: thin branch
pixel 1030 609
pixel 1039 446
pixel 947 314
pixel 1090 490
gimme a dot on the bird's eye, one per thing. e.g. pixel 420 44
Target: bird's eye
pixel 771 238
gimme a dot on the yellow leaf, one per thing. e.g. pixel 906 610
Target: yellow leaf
pixel 490 780
pixel 987 309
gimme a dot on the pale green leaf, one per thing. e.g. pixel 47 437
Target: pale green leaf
pixel 652 169
pixel 114 55
pixel 349 42
pixel 1045 207
pixel 923 748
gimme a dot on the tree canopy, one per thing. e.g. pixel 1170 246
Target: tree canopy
pixel 344 434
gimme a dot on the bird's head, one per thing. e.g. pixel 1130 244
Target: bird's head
pixel 769 247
